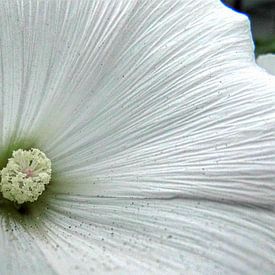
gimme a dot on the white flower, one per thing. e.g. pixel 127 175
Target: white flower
pixel 267 61
pixel 160 130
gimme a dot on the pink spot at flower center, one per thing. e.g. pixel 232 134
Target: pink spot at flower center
pixel 28 172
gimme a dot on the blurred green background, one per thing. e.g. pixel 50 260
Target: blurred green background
pixel 262 17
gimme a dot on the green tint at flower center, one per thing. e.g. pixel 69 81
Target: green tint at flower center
pixel 25 176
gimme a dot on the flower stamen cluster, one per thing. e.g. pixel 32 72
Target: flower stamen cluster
pixel 25 176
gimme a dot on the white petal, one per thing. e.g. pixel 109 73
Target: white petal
pixel 170 103
pixel 122 235
pixel 51 51
pixel 143 99
pixel 267 62
pixel 177 109
pixel 19 249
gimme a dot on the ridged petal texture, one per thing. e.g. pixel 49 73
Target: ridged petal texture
pixel 160 127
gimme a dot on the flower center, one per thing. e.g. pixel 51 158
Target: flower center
pixel 25 176
pixel 28 172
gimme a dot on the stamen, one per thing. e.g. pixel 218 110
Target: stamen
pixel 25 176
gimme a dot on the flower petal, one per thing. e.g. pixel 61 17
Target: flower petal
pixel 267 61
pixel 51 55
pixel 143 99
pixel 19 248
pixel 123 235
pixel 170 103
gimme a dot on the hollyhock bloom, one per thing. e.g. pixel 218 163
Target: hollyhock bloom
pixel 136 137
pixel 267 61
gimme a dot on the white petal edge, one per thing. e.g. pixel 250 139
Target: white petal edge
pixel 267 62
